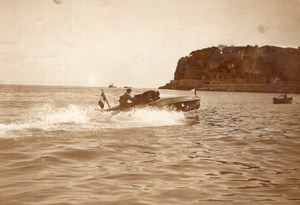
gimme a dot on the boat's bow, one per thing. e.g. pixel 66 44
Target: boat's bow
pixel 185 103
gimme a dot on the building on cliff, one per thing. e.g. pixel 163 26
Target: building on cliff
pixel 266 65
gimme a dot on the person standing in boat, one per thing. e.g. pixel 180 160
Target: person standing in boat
pixel 126 100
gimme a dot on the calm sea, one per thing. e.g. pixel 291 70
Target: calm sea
pixel 58 147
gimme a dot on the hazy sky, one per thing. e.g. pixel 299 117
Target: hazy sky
pixel 130 42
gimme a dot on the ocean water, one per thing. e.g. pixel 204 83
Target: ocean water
pixel 58 147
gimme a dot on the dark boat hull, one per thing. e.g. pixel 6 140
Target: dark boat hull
pixel 177 103
pixel 183 104
pixel 282 100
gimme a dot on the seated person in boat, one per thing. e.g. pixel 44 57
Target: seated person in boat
pixel 283 96
pixel 125 98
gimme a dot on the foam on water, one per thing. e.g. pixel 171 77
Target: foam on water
pixel 149 117
pixel 77 118
pixel 48 117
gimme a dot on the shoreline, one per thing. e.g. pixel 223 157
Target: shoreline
pixel 262 88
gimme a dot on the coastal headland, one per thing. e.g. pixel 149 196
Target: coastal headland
pixel 241 69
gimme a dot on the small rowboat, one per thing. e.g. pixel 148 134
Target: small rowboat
pixel 282 99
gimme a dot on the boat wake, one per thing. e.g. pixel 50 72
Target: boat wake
pixel 47 117
pixel 142 117
pixel 78 118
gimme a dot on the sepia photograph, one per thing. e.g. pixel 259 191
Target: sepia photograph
pixel 149 102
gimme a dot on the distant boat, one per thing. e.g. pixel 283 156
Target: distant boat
pixel 112 86
pixel 282 99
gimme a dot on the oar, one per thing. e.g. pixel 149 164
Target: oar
pixel 104 97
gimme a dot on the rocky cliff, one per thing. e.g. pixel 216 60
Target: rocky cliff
pixel 246 65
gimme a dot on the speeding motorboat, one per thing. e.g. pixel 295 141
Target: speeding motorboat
pixel 151 98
